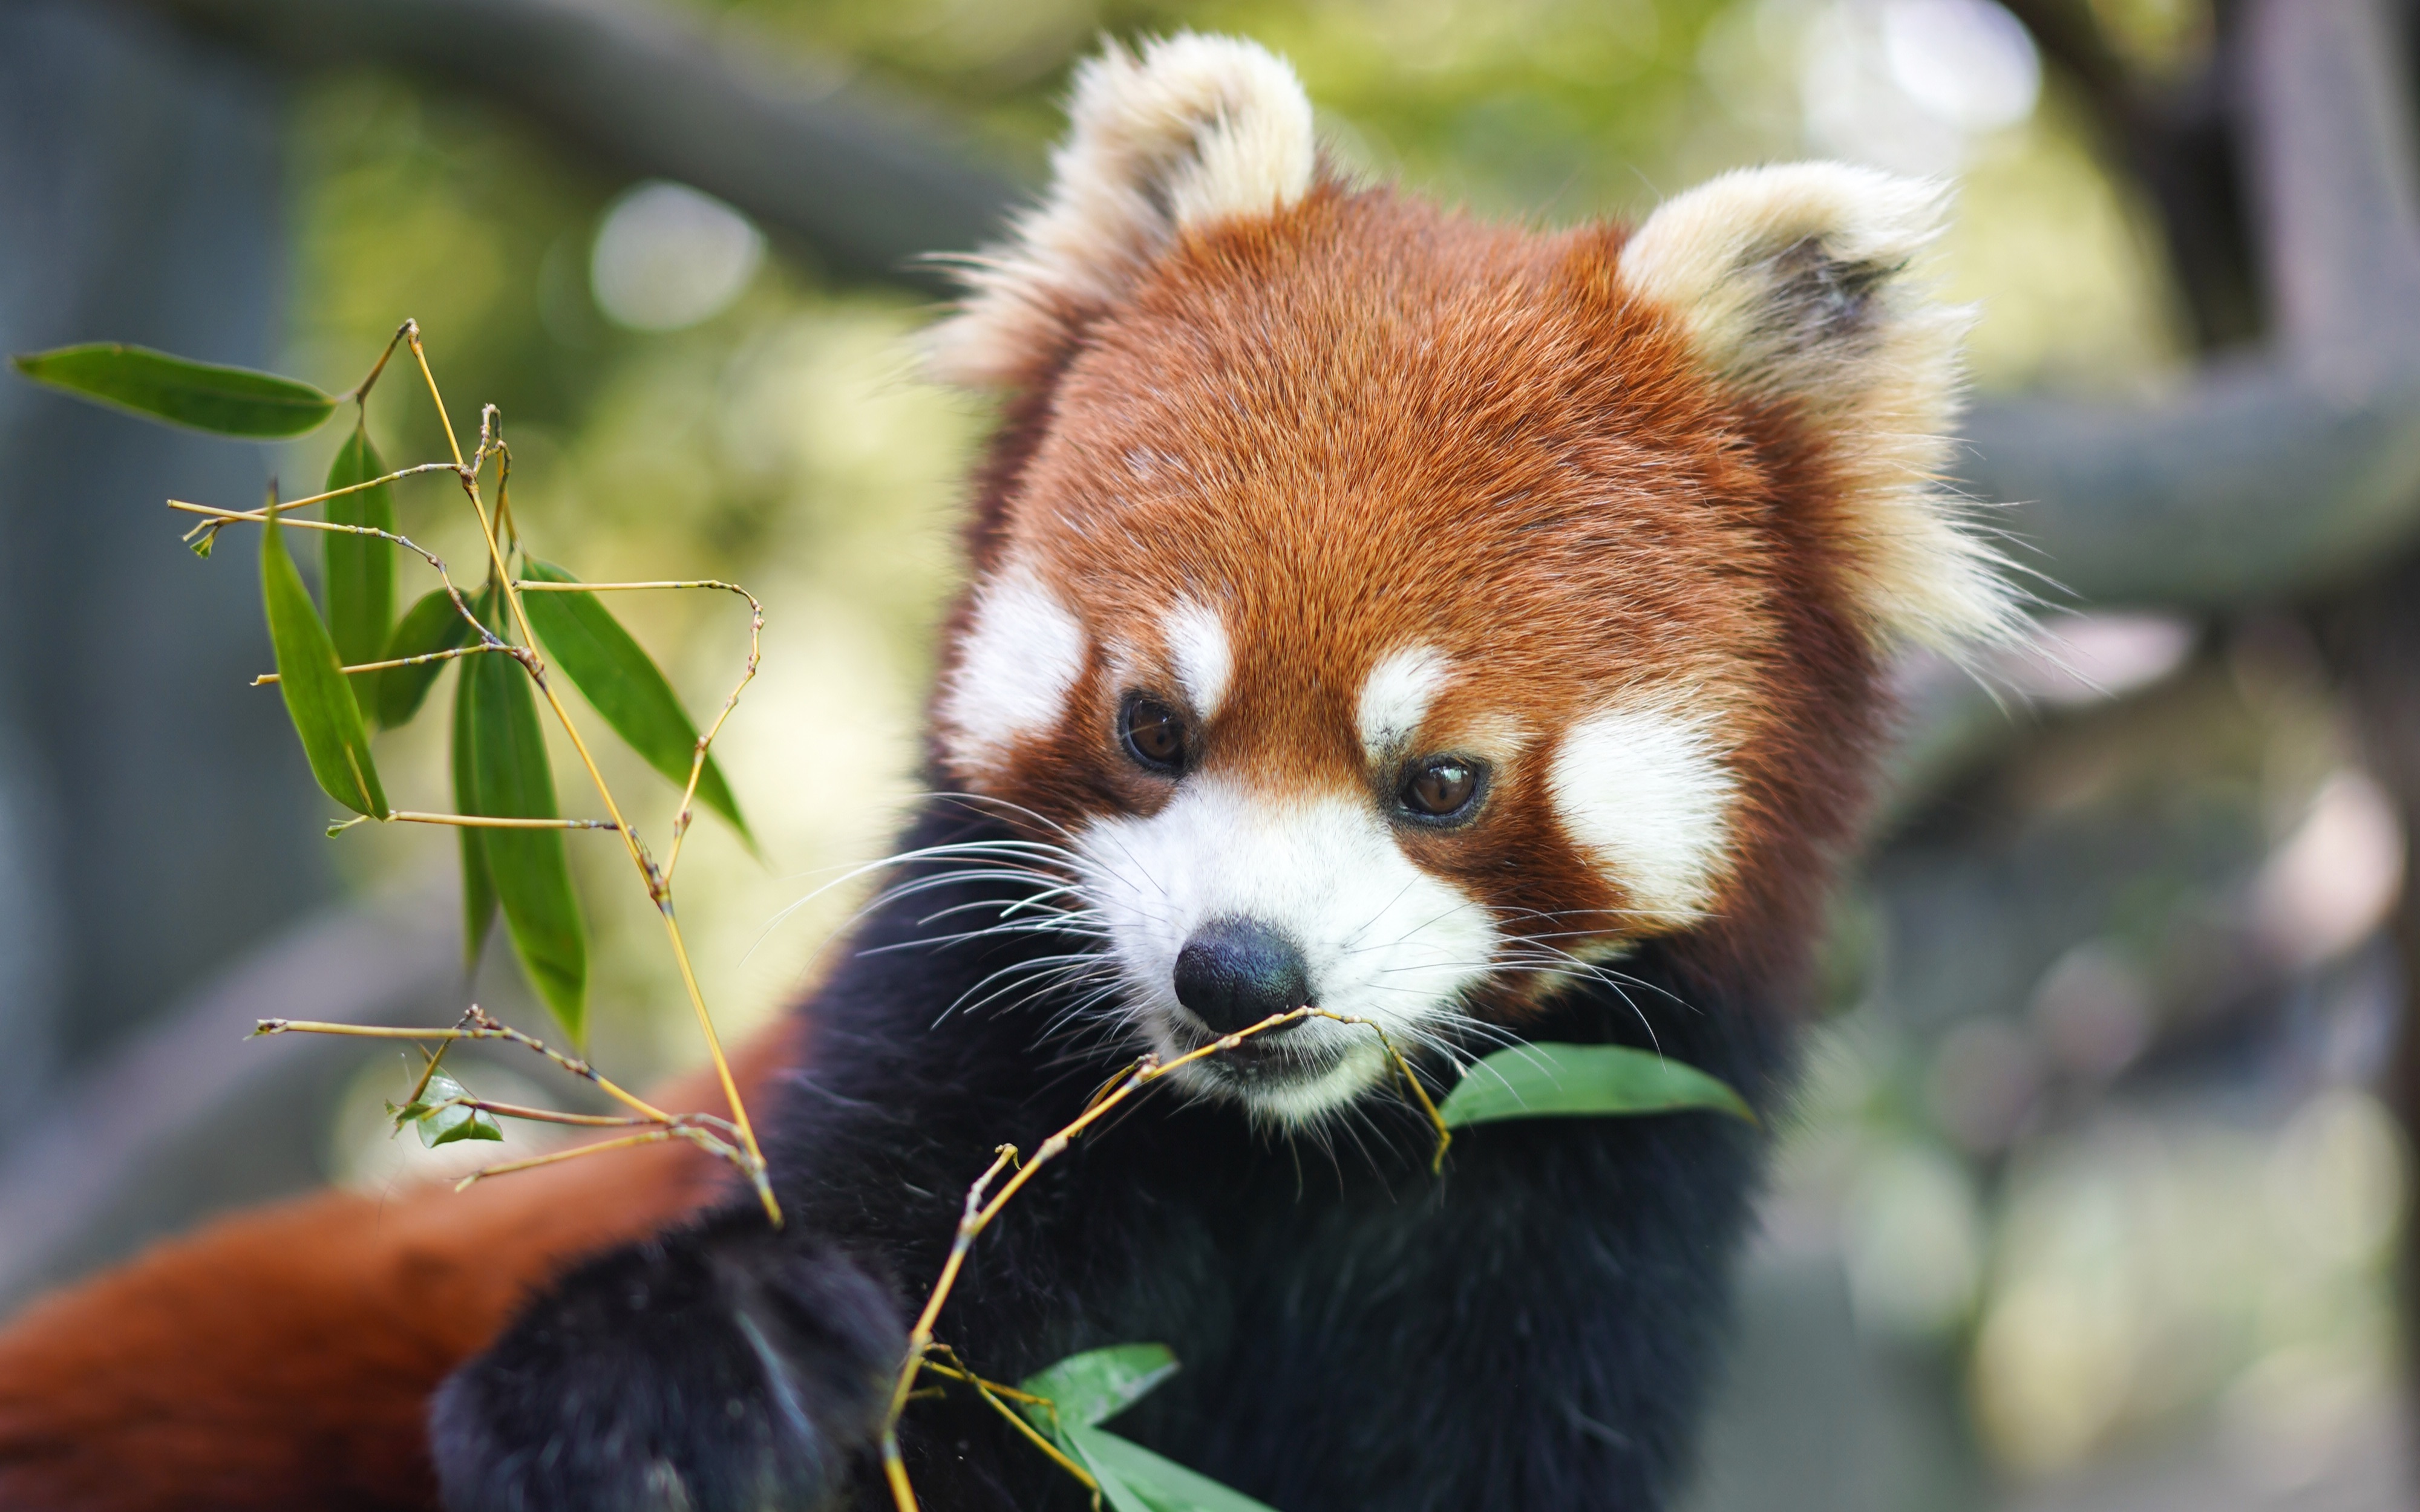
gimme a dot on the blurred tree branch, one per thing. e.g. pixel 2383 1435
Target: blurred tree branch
pixel 865 183
pixel 2176 138
pixel 2271 477
pixel 2262 481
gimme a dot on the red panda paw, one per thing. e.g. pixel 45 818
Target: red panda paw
pixel 716 1369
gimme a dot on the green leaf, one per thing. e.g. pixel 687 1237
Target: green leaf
pixel 509 779
pixel 430 625
pixel 613 672
pixel 1098 1384
pixel 230 401
pixel 1137 1480
pixel 312 681
pixel 1537 1081
pixel 359 576
pixel 478 886
pixel 441 1125
pixel 1089 1389
pixel 1114 1490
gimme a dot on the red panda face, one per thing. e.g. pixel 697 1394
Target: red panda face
pixel 1400 616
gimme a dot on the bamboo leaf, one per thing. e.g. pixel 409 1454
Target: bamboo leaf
pixel 1149 1482
pixel 1537 1081
pixel 430 625
pixel 1087 1390
pixel 509 779
pixel 358 579
pixel 442 1124
pixel 478 886
pixel 228 401
pixel 1114 1490
pixel 312 681
pixel 1098 1384
pixel 613 672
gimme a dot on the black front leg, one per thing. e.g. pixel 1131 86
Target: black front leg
pixel 722 1369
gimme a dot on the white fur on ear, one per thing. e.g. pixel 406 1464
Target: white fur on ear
pixel 1194 131
pixel 1790 283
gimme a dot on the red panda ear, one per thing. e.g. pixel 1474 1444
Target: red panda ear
pixel 1790 283
pixel 1196 129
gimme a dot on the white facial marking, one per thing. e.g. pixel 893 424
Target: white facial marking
pixel 1645 793
pixel 1024 651
pixel 1383 939
pixel 1196 643
pixel 1396 697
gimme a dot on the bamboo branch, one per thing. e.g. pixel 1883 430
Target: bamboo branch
pixel 516 1110
pixel 658 887
pixel 258 515
pixel 697 760
pixel 476 1025
pixel 473 821
pixel 869 182
pixel 556 1157
pixel 992 1392
pixel 270 679
pixel 982 1205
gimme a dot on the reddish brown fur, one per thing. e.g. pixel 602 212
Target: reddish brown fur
pixel 282 1359
pixel 1363 423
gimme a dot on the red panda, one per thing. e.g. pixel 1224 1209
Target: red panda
pixel 1468 629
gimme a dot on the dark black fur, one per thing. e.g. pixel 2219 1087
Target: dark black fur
pixel 1534 1329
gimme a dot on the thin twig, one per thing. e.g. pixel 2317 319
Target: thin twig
pixel 532 586
pixel 705 741
pixel 920 1339
pixel 515 1110
pixel 657 889
pixel 992 1391
pixel 218 517
pixel 982 1205
pixel 476 1025
pixel 652 1137
pixel 256 516
pixel 271 679
pixel 588 1120
pixel 475 821
pixel 682 817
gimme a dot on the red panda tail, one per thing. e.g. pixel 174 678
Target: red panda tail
pixel 282 1359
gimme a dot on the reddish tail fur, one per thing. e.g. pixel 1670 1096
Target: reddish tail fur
pixel 282 1358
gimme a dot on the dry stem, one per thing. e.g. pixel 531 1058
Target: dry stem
pixel 982 1205
pixel 704 1130
pixel 477 1024
pixel 272 679
pixel 992 1392
pixel 495 532
pixel 657 886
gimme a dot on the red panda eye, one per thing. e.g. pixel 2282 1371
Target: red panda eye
pixel 1441 787
pixel 1152 733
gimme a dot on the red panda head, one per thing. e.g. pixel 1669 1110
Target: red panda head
pixel 1399 614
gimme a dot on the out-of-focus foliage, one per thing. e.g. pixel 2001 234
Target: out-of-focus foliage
pixel 2063 1141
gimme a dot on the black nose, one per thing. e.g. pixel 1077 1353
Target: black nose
pixel 1235 972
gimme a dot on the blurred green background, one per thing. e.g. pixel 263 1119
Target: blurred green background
pixel 2092 1201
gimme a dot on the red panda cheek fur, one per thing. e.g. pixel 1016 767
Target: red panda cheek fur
pixel 1361 424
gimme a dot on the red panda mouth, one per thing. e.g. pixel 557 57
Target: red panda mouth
pixel 1268 1058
